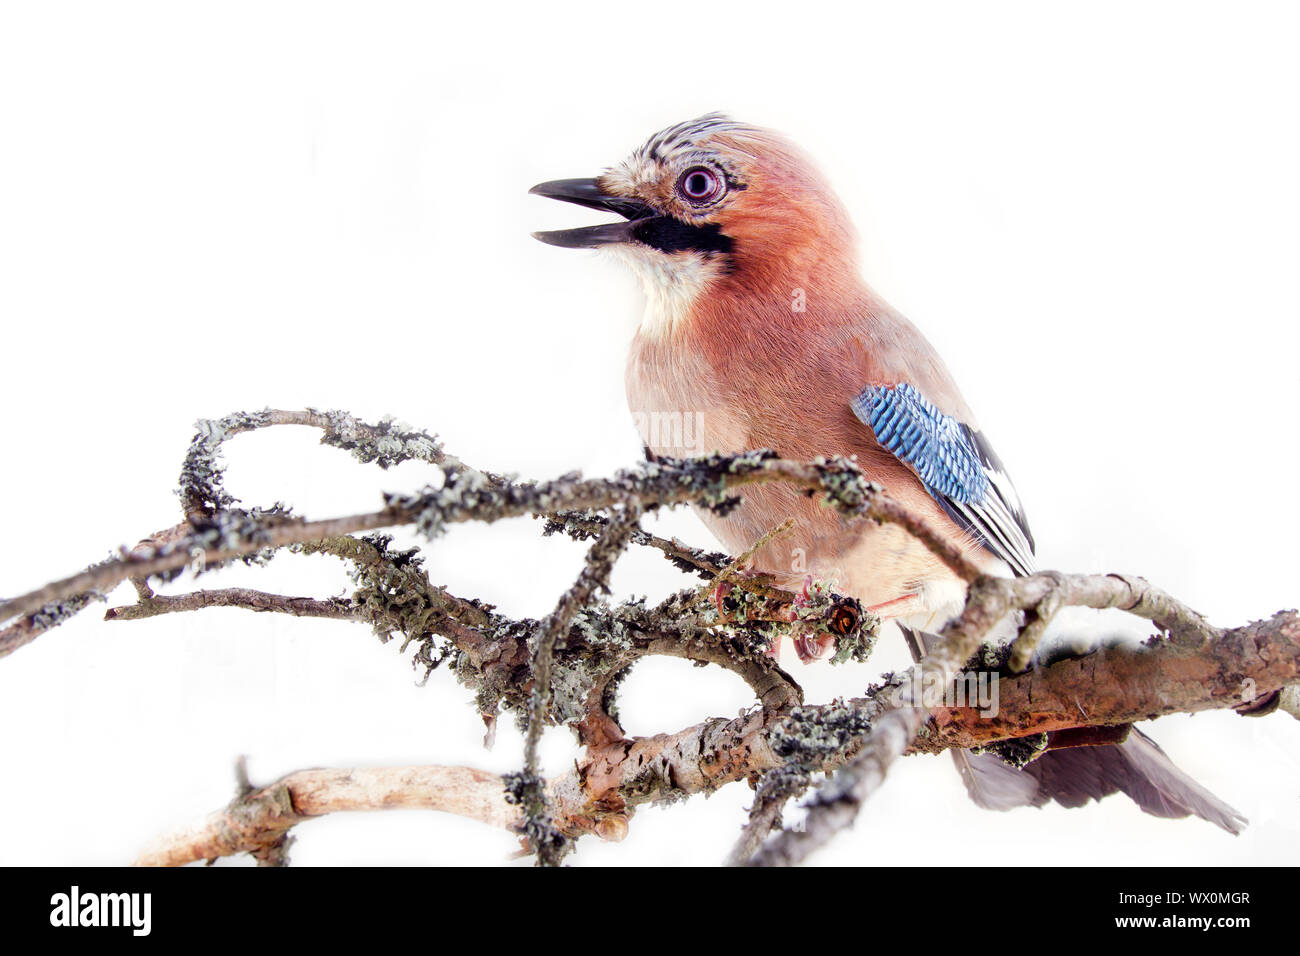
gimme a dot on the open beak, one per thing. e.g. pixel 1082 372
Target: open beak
pixel 585 192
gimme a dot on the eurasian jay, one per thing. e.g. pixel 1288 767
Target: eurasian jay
pixel 759 332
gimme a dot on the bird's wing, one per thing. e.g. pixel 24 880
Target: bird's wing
pixel 955 463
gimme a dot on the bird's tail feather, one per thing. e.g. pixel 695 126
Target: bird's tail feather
pixel 1075 775
pixel 1072 776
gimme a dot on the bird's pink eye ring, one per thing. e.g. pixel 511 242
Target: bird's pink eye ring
pixel 700 184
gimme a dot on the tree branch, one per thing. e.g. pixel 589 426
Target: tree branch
pixel 246 598
pixel 1196 667
pixel 566 668
pixel 599 796
pixel 469 496
pixel 529 789
pixel 257 822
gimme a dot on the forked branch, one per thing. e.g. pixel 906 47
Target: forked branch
pixel 565 669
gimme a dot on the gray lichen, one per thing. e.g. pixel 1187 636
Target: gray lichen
pixel 846 488
pixel 388 443
pixel 202 471
pixel 394 595
pixel 528 791
pixel 1017 752
pixel 812 736
pixel 56 612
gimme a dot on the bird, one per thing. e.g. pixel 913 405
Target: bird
pixel 760 332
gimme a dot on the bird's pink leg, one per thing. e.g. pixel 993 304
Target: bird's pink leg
pixel 723 589
pixel 717 596
pixel 802 599
pixel 880 609
pixel 809 647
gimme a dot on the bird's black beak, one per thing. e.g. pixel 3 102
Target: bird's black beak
pixel 586 192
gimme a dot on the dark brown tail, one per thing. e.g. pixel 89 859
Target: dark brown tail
pixel 1072 776
pixel 1075 775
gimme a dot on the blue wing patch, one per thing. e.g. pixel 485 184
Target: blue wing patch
pixel 956 465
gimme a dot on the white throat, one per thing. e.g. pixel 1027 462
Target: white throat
pixel 672 282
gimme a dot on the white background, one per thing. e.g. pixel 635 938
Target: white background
pixel 1091 209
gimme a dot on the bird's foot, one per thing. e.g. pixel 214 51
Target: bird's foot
pixel 892 607
pixel 818 615
pixel 840 617
pixel 735 609
pixel 813 647
pixel 718 598
pixel 1024 647
pixel 821 619
pixel 809 643
pixel 729 600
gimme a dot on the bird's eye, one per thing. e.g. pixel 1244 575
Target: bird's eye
pixel 699 184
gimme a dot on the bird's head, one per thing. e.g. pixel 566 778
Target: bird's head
pixel 710 203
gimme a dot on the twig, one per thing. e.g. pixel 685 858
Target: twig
pixel 549 844
pixel 733 567
pixel 775 789
pixel 257 821
pixel 519 663
pixel 836 804
pixel 468 496
pixel 711 754
pixel 245 598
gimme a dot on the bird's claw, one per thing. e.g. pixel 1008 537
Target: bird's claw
pixel 841 617
pixel 718 598
pixel 1024 647
pixel 809 645
pixel 804 597
pixel 814 646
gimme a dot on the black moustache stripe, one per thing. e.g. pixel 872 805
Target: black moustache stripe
pixel 672 235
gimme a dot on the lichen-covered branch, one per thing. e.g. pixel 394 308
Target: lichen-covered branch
pixel 779 747
pixel 246 598
pixel 528 788
pixel 51 614
pixel 774 790
pixel 566 668
pixel 1202 667
pixel 471 495
pixel 1231 668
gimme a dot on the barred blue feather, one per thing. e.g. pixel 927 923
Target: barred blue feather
pixel 956 465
